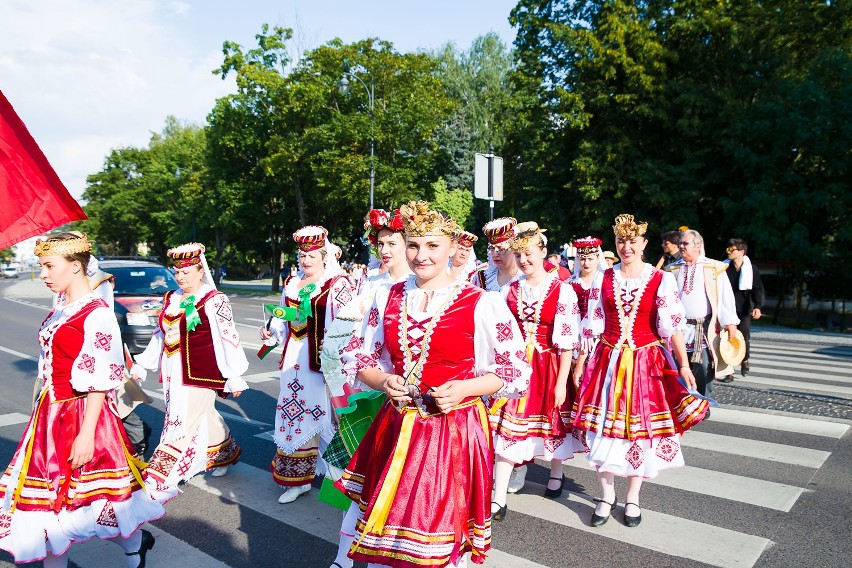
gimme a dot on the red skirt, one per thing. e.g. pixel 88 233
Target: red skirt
pixel 634 394
pixel 436 494
pixel 535 415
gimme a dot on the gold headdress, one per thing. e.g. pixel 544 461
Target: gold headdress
pixel 62 247
pixel 528 234
pixel 625 226
pixel 420 221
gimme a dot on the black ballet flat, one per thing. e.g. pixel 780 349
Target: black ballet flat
pixel 632 521
pixel 554 493
pixel 148 541
pixel 598 520
pixel 500 513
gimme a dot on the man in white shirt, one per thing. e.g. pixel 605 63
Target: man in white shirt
pixel 708 299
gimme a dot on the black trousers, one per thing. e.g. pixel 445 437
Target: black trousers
pixel 704 372
pixel 745 329
pixel 137 430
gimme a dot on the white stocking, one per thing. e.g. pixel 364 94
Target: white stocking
pixel 634 484
pixel 131 544
pixel 347 536
pixel 607 481
pixel 60 561
pixel 556 473
pixel 502 474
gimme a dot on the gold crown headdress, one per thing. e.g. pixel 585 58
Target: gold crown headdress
pixel 528 234
pixel 62 247
pixel 420 221
pixel 625 226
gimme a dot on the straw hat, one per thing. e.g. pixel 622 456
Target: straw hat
pixel 732 349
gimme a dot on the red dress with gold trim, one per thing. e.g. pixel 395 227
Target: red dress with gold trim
pixel 533 427
pixel 45 506
pixel 422 479
pixel 630 402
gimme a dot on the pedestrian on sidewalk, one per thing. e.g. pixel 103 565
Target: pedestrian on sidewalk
pixel 748 294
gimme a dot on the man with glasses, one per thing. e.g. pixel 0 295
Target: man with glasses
pixel 708 300
pixel 748 293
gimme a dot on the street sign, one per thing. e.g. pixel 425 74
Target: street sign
pixel 488 174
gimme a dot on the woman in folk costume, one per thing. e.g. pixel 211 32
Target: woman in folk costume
pixel 463 265
pixel 538 425
pixel 502 268
pixel 588 262
pixel 74 475
pixel 303 413
pixel 358 408
pixel 199 356
pixel 631 402
pixel 422 474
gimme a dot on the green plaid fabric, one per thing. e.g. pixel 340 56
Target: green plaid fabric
pixel 336 454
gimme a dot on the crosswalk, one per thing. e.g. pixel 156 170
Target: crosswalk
pixel 757 464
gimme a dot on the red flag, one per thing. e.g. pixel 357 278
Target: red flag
pixel 32 198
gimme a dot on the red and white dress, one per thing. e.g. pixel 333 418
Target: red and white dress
pixel 533 427
pixel 195 368
pixel 45 506
pixel 630 402
pixel 422 479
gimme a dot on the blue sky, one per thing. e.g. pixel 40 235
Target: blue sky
pixel 87 76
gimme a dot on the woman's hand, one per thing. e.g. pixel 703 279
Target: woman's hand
pixel 265 333
pixel 394 387
pixel 560 393
pixel 449 395
pixel 687 375
pixel 237 394
pixel 82 450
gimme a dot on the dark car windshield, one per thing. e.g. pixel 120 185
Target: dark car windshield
pixel 142 281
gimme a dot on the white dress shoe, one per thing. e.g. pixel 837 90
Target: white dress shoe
pixel 219 471
pixel 292 493
pixel 518 478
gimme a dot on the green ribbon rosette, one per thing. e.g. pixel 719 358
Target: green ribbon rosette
pixel 192 317
pixel 302 313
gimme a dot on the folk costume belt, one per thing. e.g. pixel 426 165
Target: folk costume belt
pixel 700 337
pixel 624 379
pixel 375 522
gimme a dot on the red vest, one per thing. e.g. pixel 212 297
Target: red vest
pixel 66 346
pixel 200 368
pixel 315 328
pixel 582 297
pixel 645 323
pixel 547 313
pixel 451 353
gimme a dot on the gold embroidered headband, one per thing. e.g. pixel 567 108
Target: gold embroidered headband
pixel 625 226
pixel 420 221
pixel 528 234
pixel 62 247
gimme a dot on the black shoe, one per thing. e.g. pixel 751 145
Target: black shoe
pixel 554 493
pixel 598 520
pixel 727 379
pixel 148 541
pixel 744 369
pixel 632 521
pixel 707 414
pixel 500 513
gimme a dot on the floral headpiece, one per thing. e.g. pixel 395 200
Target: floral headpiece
pixel 625 226
pixel 310 238
pixel 466 239
pixel 500 230
pixel 420 221
pixel 186 255
pixel 62 247
pixel 587 245
pixel 379 219
pixel 528 234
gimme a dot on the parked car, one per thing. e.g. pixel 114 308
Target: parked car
pixel 10 272
pixel 138 291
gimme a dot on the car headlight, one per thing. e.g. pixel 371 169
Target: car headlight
pixel 138 318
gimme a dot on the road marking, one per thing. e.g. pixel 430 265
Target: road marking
pixel 744 447
pixel 660 532
pixel 728 486
pixel 30 304
pixel 779 383
pixel 761 370
pixel 238 418
pixel 262 377
pixel 96 553
pixel 13 418
pixel 18 354
pixel 253 487
pixel 833 367
pixel 841 352
pixel 777 422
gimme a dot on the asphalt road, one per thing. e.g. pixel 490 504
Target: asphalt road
pixel 762 487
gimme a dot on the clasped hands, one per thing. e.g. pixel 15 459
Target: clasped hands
pixel 447 396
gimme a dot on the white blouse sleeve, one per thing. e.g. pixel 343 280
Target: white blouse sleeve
pixel 593 324
pixel 727 303
pixel 366 348
pixel 566 323
pixel 671 315
pixel 100 364
pixel 499 346
pixel 340 294
pixel 230 355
